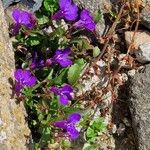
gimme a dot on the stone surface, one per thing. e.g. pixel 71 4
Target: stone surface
pixel 141 37
pixel 143 54
pixel 140 107
pixel 145 14
pixel 14 132
pixel 141 45
pixel 94 6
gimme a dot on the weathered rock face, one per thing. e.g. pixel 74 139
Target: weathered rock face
pixel 145 15
pixel 140 107
pixel 95 5
pixel 14 132
pixel 141 45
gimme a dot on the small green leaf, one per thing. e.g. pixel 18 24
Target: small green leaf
pixel 74 73
pixel 90 133
pixel 96 51
pixel 97 16
pixel 88 146
pixel 99 124
pixel 51 5
pixel 33 40
pixel 75 70
pixel 42 19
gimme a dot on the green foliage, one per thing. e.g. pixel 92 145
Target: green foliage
pixel 42 105
pixel 96 51
pixel 97 16
pixel 42 19
pixel 33 40
pixel 51 5
pixel 75 70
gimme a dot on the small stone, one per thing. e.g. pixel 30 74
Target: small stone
pixel 143 54
pixel 145 14
pixel 121 129
pixel 141 37
pixel 127 122
pixel 132 72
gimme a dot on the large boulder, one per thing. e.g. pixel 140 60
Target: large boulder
pixel 145 14
pixel 14 132
pixel 140 107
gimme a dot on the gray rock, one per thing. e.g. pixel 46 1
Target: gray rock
pixel 33 5
pixel 145 14
pixel 14 132
pixel 93 6
pixel 140 107
pixel 143 54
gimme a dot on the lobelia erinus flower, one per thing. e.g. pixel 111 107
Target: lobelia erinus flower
pixel 68 10
pixel 86 21
pixel 24 78
pixel 37 61
pixel 64 93
pixel 61 57
pixel 22 18
pixel 69 125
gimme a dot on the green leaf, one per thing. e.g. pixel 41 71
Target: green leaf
pixel 88 146
pixel 75 70
pixel 42 19
pixel 81 62
pixel 51 5
pixel 46 132
pixel 96 51
pixel 90 133
pixel 97 16
pixel 33 40
pixel 74 73
pixel 99 124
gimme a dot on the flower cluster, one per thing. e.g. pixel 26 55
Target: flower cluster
pixel 60 57
pixel 69 11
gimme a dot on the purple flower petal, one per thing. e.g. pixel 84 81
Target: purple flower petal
pixel 64 3
pixel 60 124
pixel 69 125
pixel 64 100
pixel 65 51
pixel 25 18
pixel 71 12
pixel 68 10
pixel 55 90
pixel 61 57
pixel 64 62
pixel 86 21
pixel 58 15
pixel 74 118
pixel 24 78
pixel 18 74
pixel 37 61
pixel 31 81
pixel 73 132
pixel 67 90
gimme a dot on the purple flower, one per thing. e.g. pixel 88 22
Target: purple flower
pixel 64 93
pixel 61 57
pixel 24 78
pixel 69 125
pixel 24 18
pixel 68 10
pixel 37 61
pixel 86 21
